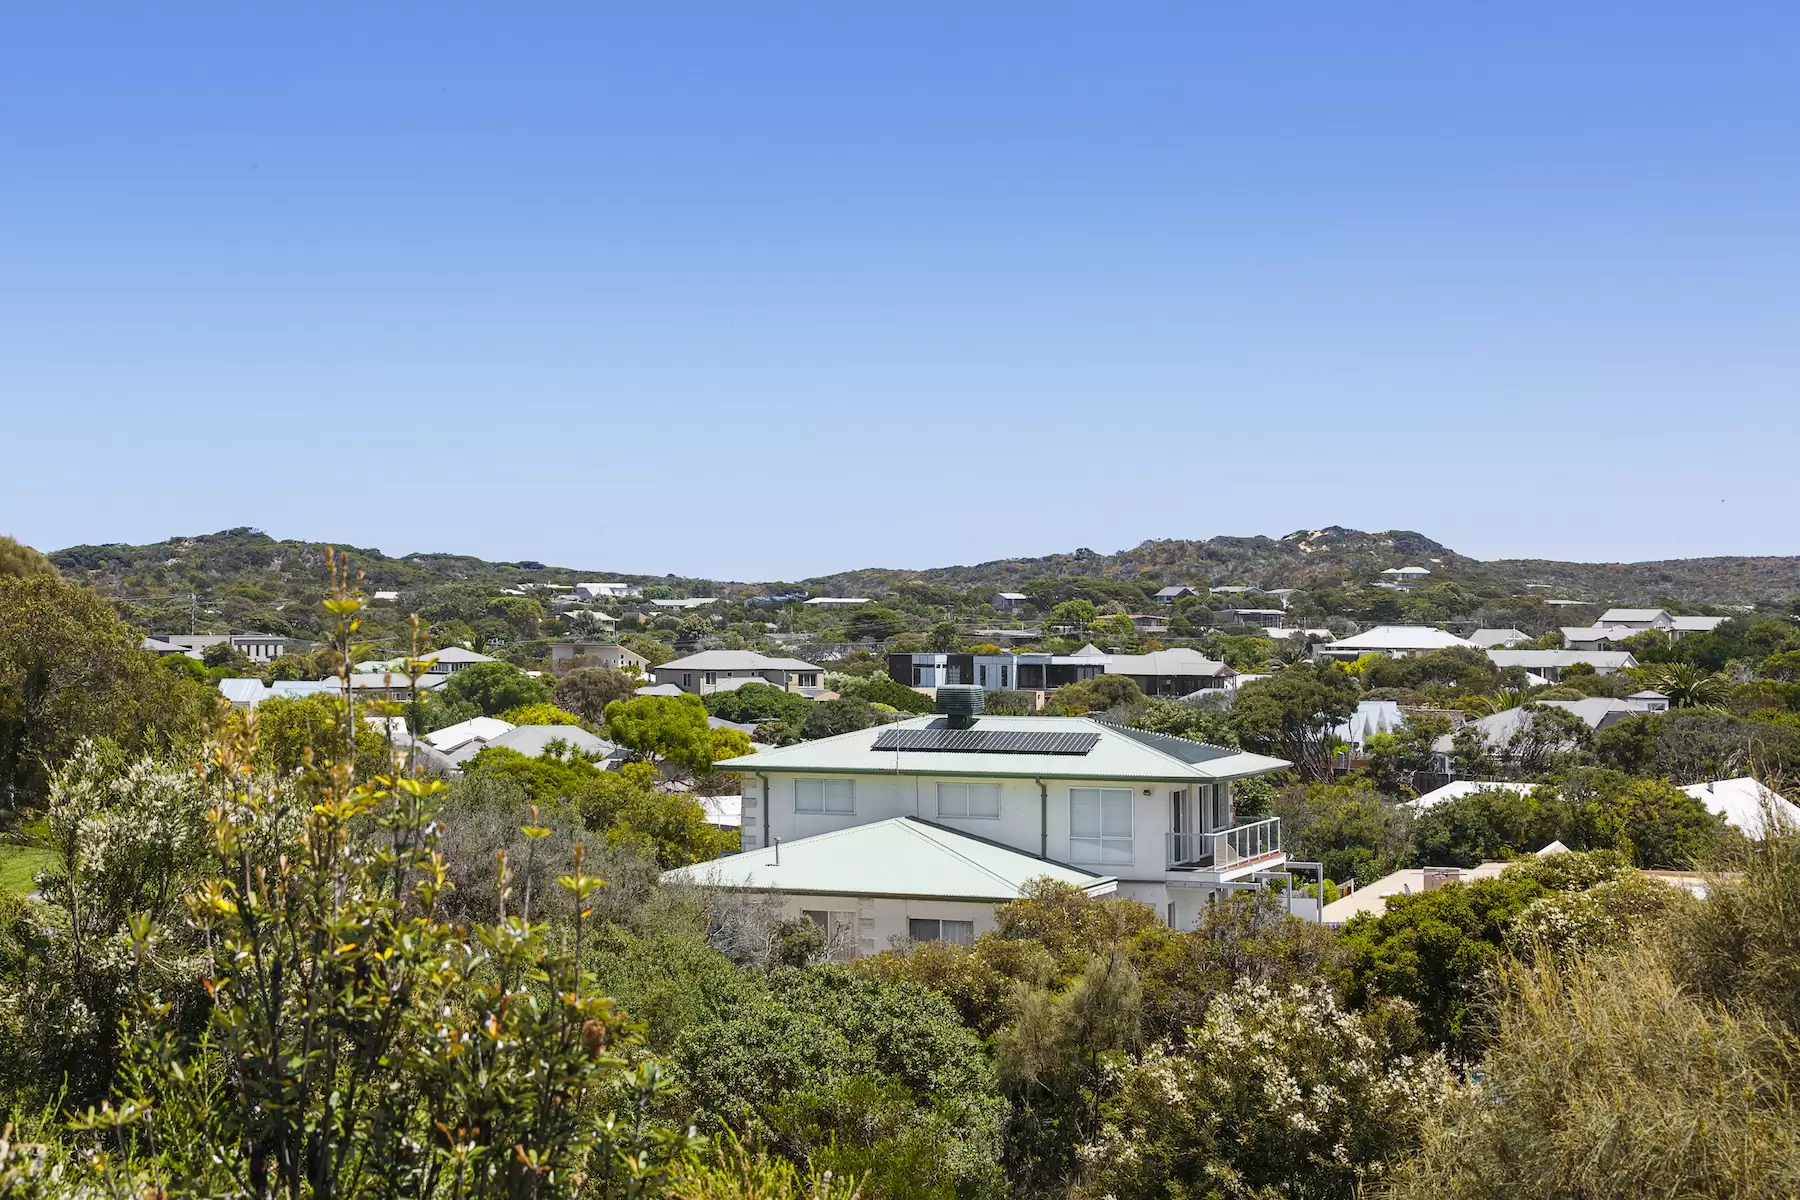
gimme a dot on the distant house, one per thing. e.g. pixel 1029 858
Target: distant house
pixel 1171 673
pixel 685 602
pixel 1649 701
pixel 475 729
pixel 1259 617
pixel 452 659
pixel 1395 641
pixel 192 645
pixel 385 597
pixel 600 590
pixel 702 673
pixel 1597 712
pixel 1748 805
pixel 533 741
pixel 1639 619
pixel 1595 637
pixel 248 693
pixel 1550 664
pixel 1149 622
pixel 597 654
pixel 267 647
pixel 1174 592
pixel 391 685
pixel 837 601
pixel 1371 717
pixel 1405 577
pixel 1010 601
pixel 1505 639
pixel 1682 626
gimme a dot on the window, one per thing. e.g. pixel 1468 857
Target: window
pixel 840 932
pixel 918 676
pixel 687 679
pixel 1100 825
pixel 983 670
pixel 1003 674
pixel 968 800
pixel 959 933
pixel 825 795
pixel 712 677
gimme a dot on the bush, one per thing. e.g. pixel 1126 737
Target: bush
pixel 540 714
pixel 755 703
pixel 588 690
pixel 494 687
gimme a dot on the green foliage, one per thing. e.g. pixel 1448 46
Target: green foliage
pixel 1293 715
pixel 1189 719
pixel 828 718
pixel 1484 825
pixel 494 687
pixel 1351 831
pixel 291 731
pixel 1278 1092
pixel 878 688
pixel 587 691
pixel 71 670
pixel 671 729
pixel 18 559
pixel 1115 695
pixel 754 703
pixel 540 714
pixel 874 623
pixel 1434 948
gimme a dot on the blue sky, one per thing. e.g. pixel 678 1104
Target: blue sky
pixel 764 291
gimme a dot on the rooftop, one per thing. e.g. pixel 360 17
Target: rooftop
pixel 734 660
pixel 1400 637
pixel 902 856
pixel 1115 753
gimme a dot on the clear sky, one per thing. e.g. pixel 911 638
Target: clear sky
pixel 769 290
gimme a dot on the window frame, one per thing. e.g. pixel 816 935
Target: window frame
pixel 968 812
pixel 825 808
pixel 964 927
pixel 1102 848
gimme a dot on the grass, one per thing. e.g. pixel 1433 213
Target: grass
pixel 18 867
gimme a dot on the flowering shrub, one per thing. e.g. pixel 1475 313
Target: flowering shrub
pixel 1278 1092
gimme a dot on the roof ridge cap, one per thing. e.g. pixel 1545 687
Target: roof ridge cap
pixel 918 827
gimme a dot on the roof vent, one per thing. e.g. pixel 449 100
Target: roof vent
pixel 960 702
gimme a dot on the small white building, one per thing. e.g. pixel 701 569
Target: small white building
pixel 1395 641
pixel 452 659
pixel 703 673
pixel 603 589
pixel 1549 665
pixel 1010 601
pixel 596 654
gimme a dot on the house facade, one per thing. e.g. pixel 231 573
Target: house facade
pixel 596 654
pixel 1153 812
pixel 703 673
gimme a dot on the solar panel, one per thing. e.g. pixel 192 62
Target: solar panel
pixel 986 741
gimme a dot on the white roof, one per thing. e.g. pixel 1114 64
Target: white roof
pixel 734 660
pixel 456 654
pixel 1538 660
pixel 1499 637
pixel 1120 753
pixel 839 600
pixel 1400 637
pixel 1373 899
pixel 1618 616
pixel 902 856
pixel 475 729
pixel 1593 633
pixel 1498 729
pixel 1014 596
pixel 1407 571
pixel 1371 717
pixel 1164 662
pixel 1740 801
pixel 1698 624
pixel 1089 651
pixel 242 691
pixel 1457 788
pixel 657 689
pixel 727 812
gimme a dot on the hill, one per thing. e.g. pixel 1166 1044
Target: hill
pixel 243 578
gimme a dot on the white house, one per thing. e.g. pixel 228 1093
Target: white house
pixel 1747 804
pixel 1595 637
pixel 1174 592
pixel 1152 810
pixel 601 589
pixel 1395 641
pixel 703 673
pixel 596 654
pixel 1550 664
pixel 452 659
pixel 1010 601
pixel 1404 577
pixel 837 601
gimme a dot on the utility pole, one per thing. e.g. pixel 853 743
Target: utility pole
pixel 193 612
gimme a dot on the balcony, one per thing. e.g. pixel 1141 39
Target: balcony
pixel 1229 852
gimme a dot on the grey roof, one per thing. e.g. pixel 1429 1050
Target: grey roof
pixel 1595 633
pixel 1698 624
pixel 1499 637
pixel 1014 596
pixel 1533 660
pixel 456 654
pixel 1118 755
pixel 901 856
pixel 734 660
pixel 1089 651
pixel 1181 661
pixel 1399 637
pixel 1498 729
pixel 532 740
pixel 1175 590
pixel 1614 616
pixel 657 689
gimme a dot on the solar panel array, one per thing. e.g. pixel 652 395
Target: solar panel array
pixel 986 741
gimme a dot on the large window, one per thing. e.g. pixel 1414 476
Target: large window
pixel 825 795
pixel 839 929
pixel 969 800
pixel 960 933
pixel 1100 825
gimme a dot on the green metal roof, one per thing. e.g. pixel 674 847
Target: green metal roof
pixel 902 856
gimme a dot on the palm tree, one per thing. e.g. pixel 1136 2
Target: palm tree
pixel 1686 685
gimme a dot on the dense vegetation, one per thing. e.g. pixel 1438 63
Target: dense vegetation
pixel 268 954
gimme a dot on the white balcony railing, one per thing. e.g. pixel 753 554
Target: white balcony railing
pixel 1226 849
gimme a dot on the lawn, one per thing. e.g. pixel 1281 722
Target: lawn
pixel 18 866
